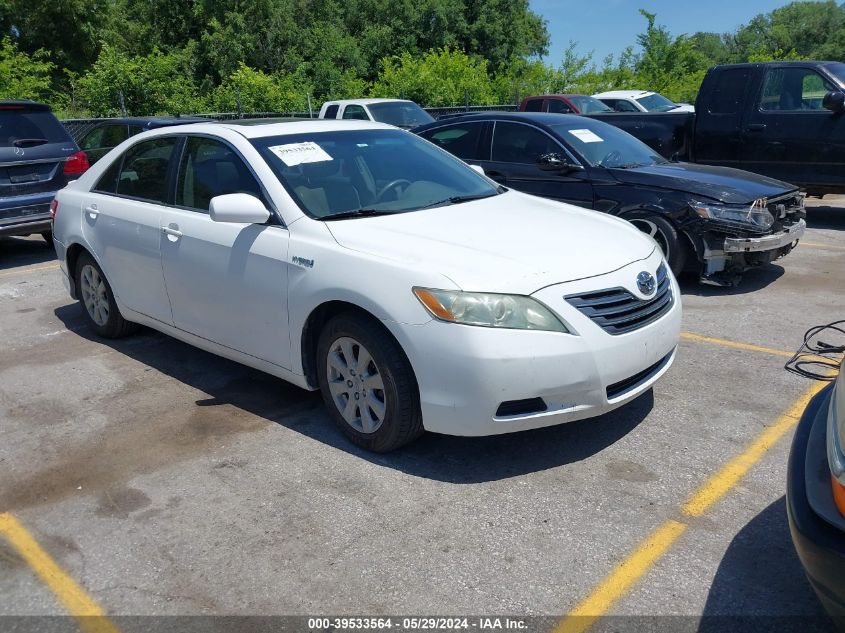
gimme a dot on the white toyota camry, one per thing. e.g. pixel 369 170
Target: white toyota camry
pixel 360 260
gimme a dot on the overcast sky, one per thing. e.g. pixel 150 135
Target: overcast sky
pixel 608 26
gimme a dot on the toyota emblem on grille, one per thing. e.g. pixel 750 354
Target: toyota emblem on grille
pixel 646 282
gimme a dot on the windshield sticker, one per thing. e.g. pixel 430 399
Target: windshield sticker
pixel 586 136
pixel 299 153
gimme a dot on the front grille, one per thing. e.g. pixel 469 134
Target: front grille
pixel 617 311
pixel 618 388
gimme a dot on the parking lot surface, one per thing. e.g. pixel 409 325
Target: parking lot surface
pixel 163 480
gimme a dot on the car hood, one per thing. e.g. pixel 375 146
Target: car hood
pixel 512 243
pixel 731 186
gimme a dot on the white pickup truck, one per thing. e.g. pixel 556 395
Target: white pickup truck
pixel 399 112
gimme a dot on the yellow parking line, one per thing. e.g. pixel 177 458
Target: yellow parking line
pixel 642 559
pixel 75 600
pixel 24 271
pixel 729 476
pixel 623 577
pixel 748 347
pixel 833 247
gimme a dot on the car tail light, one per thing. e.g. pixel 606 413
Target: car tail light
pixel 76 164
pixel 54 206
pixel 838 495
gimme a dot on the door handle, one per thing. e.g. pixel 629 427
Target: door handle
pixel 92 211
pixel 756 127
pixel 172 231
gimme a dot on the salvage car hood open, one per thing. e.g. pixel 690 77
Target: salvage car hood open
pixel 508 243
pixel 731 186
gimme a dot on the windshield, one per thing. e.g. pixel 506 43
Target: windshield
pixel 588 105
pixel 838 71
pixel 657 103
pixel 379 171
pixel 27 128
pixel 602 145
pixel 400 113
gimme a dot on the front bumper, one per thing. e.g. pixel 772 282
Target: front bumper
pixel 820 544
pixel 466 373
pixel 766 242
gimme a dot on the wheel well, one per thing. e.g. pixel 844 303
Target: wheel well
pixel 314 325
pixel 71 257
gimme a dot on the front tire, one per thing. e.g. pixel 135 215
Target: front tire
pixel 97 300
pixel 367 384
pixel 666 235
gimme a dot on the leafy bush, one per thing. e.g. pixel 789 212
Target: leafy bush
pixel 23 76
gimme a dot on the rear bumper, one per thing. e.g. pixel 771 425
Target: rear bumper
pixel 767 242
pixel 820 545
pixel 23 215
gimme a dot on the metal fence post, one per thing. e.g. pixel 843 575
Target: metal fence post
pixel 310 111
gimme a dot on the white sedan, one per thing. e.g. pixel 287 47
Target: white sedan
pixel 640 101
pixel 358 259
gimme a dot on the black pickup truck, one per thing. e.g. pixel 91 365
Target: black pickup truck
pixel 785 120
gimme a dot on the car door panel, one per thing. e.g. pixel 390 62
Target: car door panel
pixel 227 282
pixel 123 229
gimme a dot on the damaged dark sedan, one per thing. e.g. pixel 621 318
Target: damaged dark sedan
pixel 713 221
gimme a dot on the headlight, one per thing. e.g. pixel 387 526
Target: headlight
pixel 489 310
pixel 754 215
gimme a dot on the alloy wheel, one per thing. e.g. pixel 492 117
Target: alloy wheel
pixel 94 295
pixel 356 385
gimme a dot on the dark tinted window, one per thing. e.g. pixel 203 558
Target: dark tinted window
pixel 104 136
pixel 331 112
pixel 586 104
pixel 29 128
pixel 355 112
pixel 400 113
pixel 210 168
pixel 534 105
pixel 144 171
pixel 518 143
pixel 557 105
pixel 792 89
pixel 729 91
pixel 460 140
pixel 108 181
pixel 620 105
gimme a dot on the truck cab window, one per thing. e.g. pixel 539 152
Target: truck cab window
pixel 793 89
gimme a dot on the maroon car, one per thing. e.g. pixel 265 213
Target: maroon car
pixel 565 104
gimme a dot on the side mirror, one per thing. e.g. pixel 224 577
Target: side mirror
pixel 556 162
pixel 834 101
pixel 240 208
pixel 478 168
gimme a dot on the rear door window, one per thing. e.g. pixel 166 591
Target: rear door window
pixel 729 91
pixel 331 112
pixel 104 136
pixel 461 140
pixel 143 174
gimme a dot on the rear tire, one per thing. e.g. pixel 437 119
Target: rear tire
pixel 666 235
pixel 97 300
pixel 367 384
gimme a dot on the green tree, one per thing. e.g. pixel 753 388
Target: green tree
pixel 256 91
pixel 24 76
pixel 157 83
pixel 441 77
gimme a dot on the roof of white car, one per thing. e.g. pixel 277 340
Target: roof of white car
pixel 362 101
pixel 623 94
pixel 253 129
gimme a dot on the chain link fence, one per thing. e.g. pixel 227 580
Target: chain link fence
pixel 78 128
